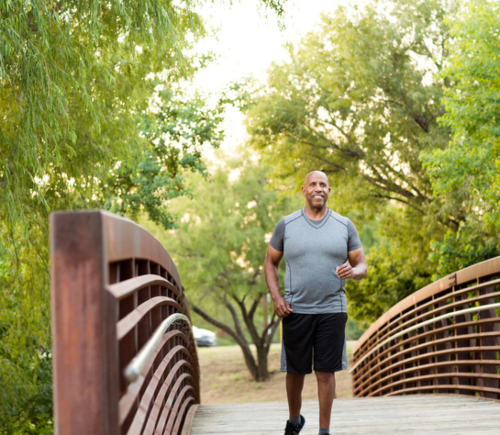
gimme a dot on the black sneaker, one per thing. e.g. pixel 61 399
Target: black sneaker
pixel 295 429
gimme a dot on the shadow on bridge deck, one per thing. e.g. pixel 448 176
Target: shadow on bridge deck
pixel 417 414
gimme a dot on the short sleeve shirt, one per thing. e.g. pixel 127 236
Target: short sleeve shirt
pixel 312 251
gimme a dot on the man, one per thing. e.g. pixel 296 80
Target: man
pixel 316 243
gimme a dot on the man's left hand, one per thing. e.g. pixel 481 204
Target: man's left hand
pixel 355 268
pixel 345 271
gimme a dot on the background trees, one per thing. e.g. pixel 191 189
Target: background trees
pixel 359 99
pixel 76 79
pixel 93 115
pixel 465 175
pixel 397 101
pixel 379 97
pixel 220 247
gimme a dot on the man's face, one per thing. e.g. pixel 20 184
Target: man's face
pixel 316 190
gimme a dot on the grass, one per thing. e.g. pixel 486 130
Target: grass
pixel 226 379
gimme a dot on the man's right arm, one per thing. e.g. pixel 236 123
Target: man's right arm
pixel 273 258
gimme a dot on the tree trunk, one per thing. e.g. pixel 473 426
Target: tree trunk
pixel 262 370
pixel 240 340
pixel 250 363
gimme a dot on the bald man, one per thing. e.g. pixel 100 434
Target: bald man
pixel 322 251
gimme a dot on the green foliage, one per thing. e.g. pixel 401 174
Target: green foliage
pixel 154 177
pixel 359 99
pixel 220 247
pixel 34 416
pixel 397 264
pixel 352 330
pixel 221 239
pixel 76 81
pixel 25 363
pixel 471 244
pixel 465 174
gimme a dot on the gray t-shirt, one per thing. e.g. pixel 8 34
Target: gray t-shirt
pixel 312 251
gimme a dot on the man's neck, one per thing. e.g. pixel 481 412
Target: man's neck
pixel 315 214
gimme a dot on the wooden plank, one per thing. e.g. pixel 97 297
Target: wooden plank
pixel 418 414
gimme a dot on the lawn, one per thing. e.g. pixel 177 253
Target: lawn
pixel 225 378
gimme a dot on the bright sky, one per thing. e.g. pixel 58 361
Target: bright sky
pixel 248 41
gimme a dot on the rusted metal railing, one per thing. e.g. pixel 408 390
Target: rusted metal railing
pixel 125 360
pixel 444 338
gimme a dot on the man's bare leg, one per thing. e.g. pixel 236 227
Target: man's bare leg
pixel 326 393
pixel 294 385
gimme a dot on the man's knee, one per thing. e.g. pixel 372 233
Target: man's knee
pixel 325 376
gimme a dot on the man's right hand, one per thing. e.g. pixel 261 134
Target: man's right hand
pixel 281 307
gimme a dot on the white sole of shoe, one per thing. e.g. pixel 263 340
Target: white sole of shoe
pixel 303 427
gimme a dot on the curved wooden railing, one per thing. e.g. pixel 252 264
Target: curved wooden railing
pixel 443 338
pixel 125 360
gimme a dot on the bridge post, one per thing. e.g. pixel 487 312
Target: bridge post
pixel 84 316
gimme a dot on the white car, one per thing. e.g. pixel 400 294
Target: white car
pixel 204 337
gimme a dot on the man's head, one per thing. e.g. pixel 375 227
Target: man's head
pixel 316 190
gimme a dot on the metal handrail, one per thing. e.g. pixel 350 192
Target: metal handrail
pixel 134 369
pixel 420 325
pixel 437 300
pixel 474 274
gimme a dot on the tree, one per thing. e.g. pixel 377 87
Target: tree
pixel 360 99
pixel 74 76
pixel 73 89
pixel 465 174
pixel 77 80
pixel 219 249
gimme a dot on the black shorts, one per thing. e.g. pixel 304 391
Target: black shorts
pixel 314 336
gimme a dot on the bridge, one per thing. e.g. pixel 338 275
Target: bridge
pixel 125 359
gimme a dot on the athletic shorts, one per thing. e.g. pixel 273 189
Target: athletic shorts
pixel 318 338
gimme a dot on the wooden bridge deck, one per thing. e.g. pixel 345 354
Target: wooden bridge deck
pixel 418 414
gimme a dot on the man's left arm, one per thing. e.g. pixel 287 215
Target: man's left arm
pixel 356 268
